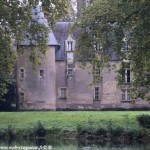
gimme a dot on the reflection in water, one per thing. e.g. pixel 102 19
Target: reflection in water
pixel 55 144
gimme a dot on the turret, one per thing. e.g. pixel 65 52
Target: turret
pixel 37 88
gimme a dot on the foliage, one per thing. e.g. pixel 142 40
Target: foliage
pixel 39 130
pixel 118 28
pixel 9 133
pixel 68 120
pixel 8 102
pixel 17 22
pixel 73 123
pixel 144 120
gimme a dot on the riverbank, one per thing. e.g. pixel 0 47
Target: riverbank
pixel 87 124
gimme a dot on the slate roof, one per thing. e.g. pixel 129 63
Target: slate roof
pixel 38 15
pixel 58 35
pixel 61 32
pixel 51 42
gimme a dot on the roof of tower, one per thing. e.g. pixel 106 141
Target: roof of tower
pixel 38 16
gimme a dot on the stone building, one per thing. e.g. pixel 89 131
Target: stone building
pixel 60 82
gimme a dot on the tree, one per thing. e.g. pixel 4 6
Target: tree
pixel 121 25
pixel 17 23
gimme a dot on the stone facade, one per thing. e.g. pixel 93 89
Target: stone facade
pixel 36 88
pixel 60 82
pixel 43 91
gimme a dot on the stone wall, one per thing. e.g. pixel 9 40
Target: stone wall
pixel 39 92
pixel 110 90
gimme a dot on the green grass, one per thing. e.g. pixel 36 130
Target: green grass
pixel 69 120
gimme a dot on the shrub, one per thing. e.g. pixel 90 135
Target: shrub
pixel 39 130
pixel 133 134
pixel 54 131
pixel 85 130
pixel 10 133
pixel 117 132
pixel 144 120
pixel 1 133
pixel 101 131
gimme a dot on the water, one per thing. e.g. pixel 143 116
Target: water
pixel 55 144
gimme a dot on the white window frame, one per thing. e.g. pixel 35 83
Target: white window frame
pixel 63 93
pixel 96 93
pixel 96 45
pixel 126 94
pixel 127 77
pixel 69 69
pixel 70 45
pixel 70 56
pixel 21 73
pixel 125 45
pixel 96 71
pixel 42 73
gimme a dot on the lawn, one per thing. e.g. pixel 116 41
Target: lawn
pixel 69 120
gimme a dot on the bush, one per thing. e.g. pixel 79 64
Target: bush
pixel 85 130
pixel 101 131
pixel 134 134
pixel 117 132
pixel 10 132
pixel 144 120
pixel 54 131
pixel 1 134
pixel 39 130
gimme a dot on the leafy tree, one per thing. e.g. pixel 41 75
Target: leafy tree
pixel 121 25
pixel 17 22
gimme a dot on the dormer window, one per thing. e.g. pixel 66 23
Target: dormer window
pixel 70 45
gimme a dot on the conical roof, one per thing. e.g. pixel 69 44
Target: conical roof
pixel 38 15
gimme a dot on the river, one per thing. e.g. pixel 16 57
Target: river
pixel 55 144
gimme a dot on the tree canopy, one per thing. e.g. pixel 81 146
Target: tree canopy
pixel 16 19
pixel 124 26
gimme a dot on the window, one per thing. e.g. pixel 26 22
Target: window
pixel 22 74
pixel 22 98
pixel 88 2
pixel 69 69
pixel 70 57
pixel 96 71
pixel 42 73
pixel 96 93
pixel 125 45
pixel 127 75
pixel 125 95
pixel 96 43
pixel 97 46
pixel 70 45
pixel 63 93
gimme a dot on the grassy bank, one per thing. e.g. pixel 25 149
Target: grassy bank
pixel 70 122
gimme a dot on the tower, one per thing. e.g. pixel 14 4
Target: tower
pixel 37 88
